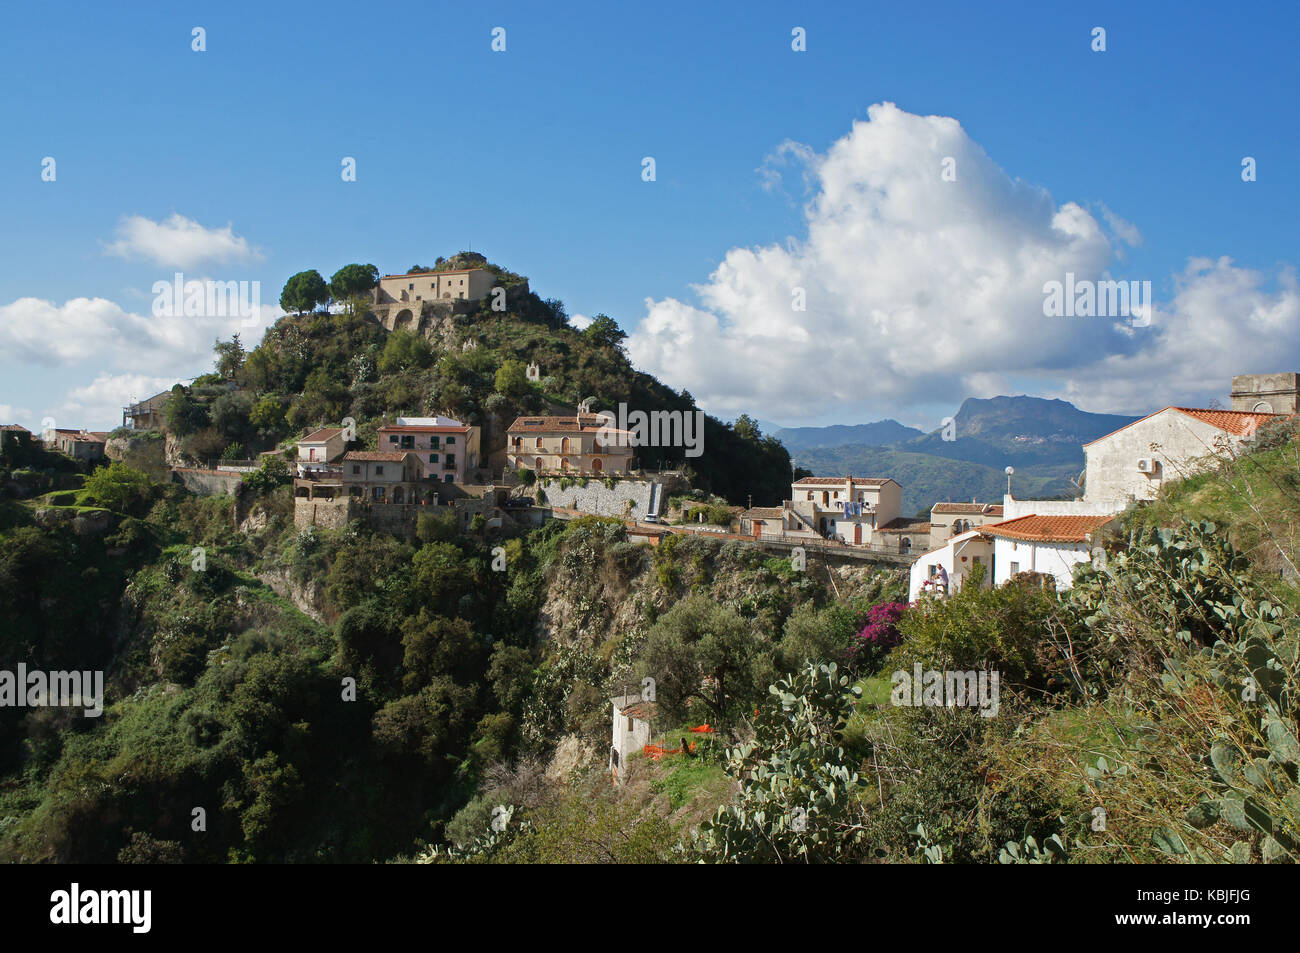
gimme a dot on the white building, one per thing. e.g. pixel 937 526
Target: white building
pixel 1132 463
pixel 851 508
pixel 632 718
pixel 1045 544
pixel 322 446
pixel 947 568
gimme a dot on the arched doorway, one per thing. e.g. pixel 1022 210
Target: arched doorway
pixel 537 464
pixel 564 445
pixel 596 464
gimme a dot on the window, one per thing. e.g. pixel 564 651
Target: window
pixel 392 438
pixel 449 478
pixel 411 286
pixel 379 471
pixel 451 460
pixel 433 441
pixel 975 560
pixel 408 443
pixel 356 469
pixel 629 722
pixel 1015 568
pixel 433 458
pixel 450 441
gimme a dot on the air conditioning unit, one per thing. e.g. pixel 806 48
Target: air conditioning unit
pixel 1147 465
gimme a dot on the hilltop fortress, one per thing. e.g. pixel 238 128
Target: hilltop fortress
pixel 456 286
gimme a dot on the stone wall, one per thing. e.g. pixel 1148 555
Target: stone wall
pixel 598 499
pixel 207 482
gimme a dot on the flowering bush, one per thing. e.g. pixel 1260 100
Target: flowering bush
pixel 879 634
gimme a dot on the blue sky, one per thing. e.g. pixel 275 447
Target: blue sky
pixel 533 156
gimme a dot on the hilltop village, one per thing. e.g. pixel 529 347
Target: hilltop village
pixel 570 461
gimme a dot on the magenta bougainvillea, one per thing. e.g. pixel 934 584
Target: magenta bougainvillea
pixel 880 633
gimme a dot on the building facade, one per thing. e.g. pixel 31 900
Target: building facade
pixel 448 449
pixel 1134 462
pixel 632 731
pixel 1266 393
pixel 576 444
pixel 322 446
pixel 1053 545
pixel 850 509
pixel 947 568
pixel 952 519
pixel 78 444
pixel 380 477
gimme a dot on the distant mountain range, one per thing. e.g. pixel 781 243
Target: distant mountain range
pixel 1043 440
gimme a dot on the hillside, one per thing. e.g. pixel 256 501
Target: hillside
pixel 882 433
pixel 312 370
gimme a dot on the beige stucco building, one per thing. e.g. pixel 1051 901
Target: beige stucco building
pixel 467 284
pixel 581 444
pixel 380 477
pixel 1133 462
pixel 952 519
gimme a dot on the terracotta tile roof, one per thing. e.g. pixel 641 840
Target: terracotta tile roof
pixel 1236 422
pixel 642 711
pixel 763 512
pixel 421 274
pixel 376 456
pixel 575 424
pixel 839 481
pixel 968 509
pixel 1047 529
pixel 90 436
pixel 14 427
pixel 320 436
pixel 904 525
pixel 423 428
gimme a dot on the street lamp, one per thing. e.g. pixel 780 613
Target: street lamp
pixel 1009 471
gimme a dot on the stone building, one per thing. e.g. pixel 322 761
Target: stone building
pixel 407 301
pixel 581 444
pixel 78 444
pixel 1266 393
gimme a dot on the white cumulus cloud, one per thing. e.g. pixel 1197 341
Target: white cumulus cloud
pixel 179 242
pixel 920 288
